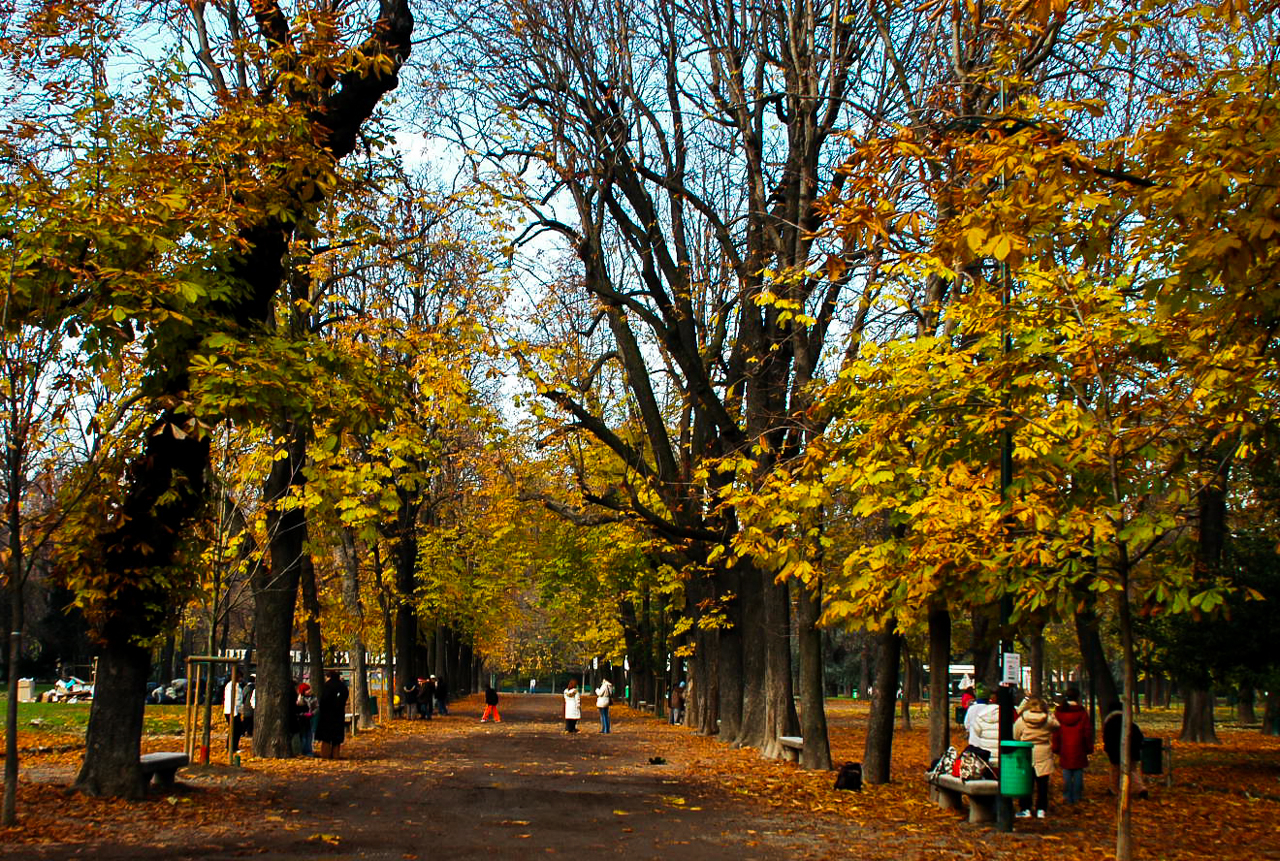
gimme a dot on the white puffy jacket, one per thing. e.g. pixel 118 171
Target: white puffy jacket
pixel 983 723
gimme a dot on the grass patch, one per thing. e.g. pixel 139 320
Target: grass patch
pixel 74 718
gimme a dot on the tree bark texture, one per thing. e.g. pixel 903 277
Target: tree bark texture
pixel 165 485
pixel 275 594
pixel 939 678
pixel 1094 656
pixel 355 611
pixel 816 754
pixel 1197 717
pixel 879 744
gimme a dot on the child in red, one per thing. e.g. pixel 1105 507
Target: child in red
pixel 1072 742
pixel 491 706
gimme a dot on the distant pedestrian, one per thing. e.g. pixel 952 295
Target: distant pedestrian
pixel 442 695
pixel 304 709
pixel 676 704
pixel 332 727
pixel 233 709
pixel 249 699
pixel 604 699
pixel 1036 726
pixel 409 692
pixel 572 706
pixel 1111 727
pixel 491 706
pixel 426 697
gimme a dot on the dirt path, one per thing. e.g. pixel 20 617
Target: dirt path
pixel 457 788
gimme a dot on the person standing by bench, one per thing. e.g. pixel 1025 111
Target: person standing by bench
pixel 1036 726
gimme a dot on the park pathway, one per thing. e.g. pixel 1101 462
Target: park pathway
pixel 458 788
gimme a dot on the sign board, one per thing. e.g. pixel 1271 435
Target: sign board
pixel 1012 673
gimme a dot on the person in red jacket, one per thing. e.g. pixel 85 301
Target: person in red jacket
pixel 1072 742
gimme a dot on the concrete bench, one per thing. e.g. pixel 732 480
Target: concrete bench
pixel 949 792
pixel 792 745
pixel 163 767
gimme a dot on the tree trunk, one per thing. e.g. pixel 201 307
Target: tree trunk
pixel 113 742
pixel 864 669
pixel 1036 647
pixel 1197 717
pixel 816 754
pixel 275 594
pixel 729 662
pixel 752 731
pixel 1245 712
pixel 939 679
pixel 986 652
pixel 311 627
pixel 779 691
pixel 167 487
pixel 879 745
pixel 389 674
pixel 406 562
pixel 16 562
pixel 1271 714
pixel 1102 683
pixel 908 679
pixel 355 611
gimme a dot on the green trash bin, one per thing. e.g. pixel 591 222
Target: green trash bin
pixel 1017 774
pixel 1153 756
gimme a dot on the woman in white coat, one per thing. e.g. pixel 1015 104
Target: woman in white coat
pixel 572 706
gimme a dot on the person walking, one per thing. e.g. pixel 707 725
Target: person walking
pixel 332 727
pixel 249 705
pixel 426 697
pixel 491 706
pixel 604 699
pixel 572 706
pixel 1036 726
pixel 1112 724
pixel 1072 742
pixel 442 696
pixel 233 709
pixel 676 704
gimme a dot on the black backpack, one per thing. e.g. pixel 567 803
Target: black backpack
pixel 850 776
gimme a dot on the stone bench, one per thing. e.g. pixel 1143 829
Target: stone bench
pixel 792 745
pixel 163 767
pixel 949 792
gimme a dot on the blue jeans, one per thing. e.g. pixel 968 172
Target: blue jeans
pixel 1072 784
pixel 441 706
pixel 604 719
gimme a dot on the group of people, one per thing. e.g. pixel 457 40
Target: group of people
pixel 312 719
pixel 424 696
pixel 1066 733
pixel 573 705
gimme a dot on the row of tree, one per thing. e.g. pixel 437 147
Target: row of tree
pixel 821 314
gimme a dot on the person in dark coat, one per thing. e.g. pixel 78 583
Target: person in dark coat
pixel 409 692
pixel 1072 742
pixel 490 706
pixel 1111 728
pixel 332 728
pixel 442 695
pixel 426 697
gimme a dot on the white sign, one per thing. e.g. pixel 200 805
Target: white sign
pixel 1012 669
